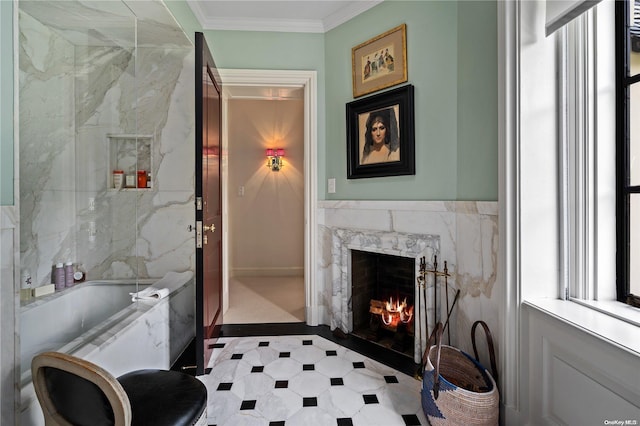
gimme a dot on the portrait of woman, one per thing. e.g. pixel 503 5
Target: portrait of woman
pixel 381 142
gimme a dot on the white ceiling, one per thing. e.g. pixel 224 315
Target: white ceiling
pixel 305 16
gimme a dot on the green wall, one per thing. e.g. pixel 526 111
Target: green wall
pixel 451 55
pixel 6 103
pixel 452 63
pixel 477 101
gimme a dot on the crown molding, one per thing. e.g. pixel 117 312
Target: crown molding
pixel 337 18
pixel 348 12
pixel 260 24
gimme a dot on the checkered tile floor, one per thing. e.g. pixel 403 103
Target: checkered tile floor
pixel 305 380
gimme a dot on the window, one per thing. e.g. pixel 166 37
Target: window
pixel 595 204
pixel 628 150
pixel 587 155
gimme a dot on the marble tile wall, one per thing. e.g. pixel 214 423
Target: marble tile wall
pixel 468 241
pixel 67 209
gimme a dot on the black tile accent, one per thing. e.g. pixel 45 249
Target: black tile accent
pixel 332 353
pixel 285 354
pixel 248 405
pixel 370 399
pixel 224 386
pixel 263 344
pixel 282 384
pixel 278 423
pixel 307 342
pixel 236 356
pixel 310 402
pixel 257 369
pixel 337 381
pixel 308 367
pixel 391 379
pixel 369 349
pixel 216 345
pixel 345 421
pixel 358 364
pixel 411 420
pixel 207 370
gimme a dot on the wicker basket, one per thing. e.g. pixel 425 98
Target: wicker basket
pixel 456 389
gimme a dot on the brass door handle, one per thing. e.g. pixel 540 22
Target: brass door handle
pixel 211 228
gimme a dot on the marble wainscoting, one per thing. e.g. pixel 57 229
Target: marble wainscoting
pixel 9 311
pixel 467 236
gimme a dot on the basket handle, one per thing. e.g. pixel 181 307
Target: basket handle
pixel 436 338
pixel 492 355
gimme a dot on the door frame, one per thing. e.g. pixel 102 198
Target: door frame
pixel 307 80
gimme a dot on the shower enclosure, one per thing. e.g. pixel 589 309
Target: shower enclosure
pixel 104 87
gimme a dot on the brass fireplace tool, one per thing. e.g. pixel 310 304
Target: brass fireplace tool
pixel 422 282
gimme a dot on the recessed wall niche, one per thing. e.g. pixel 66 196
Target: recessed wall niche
pixel 129 156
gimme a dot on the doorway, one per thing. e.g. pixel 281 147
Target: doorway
pixel 264 279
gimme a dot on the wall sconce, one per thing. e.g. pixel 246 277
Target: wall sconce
pixel 274 158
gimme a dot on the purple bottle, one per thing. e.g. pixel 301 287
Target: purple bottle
pixel 68 274
pixel 58 277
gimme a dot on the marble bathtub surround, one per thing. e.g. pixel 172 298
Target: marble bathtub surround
pixel 146 334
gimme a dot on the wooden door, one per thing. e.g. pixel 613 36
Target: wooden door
pixel 208 100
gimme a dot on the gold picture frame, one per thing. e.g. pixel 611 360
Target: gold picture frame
pixel 380 62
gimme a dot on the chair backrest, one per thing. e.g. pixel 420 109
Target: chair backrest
pixel 72 391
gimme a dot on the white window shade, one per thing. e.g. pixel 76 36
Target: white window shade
pixel 560 12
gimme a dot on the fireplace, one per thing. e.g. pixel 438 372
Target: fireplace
pixel 382 297
pixel 343 241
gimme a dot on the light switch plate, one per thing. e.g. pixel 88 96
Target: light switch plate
pixel 331 185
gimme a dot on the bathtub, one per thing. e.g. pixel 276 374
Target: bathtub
pixel 98 322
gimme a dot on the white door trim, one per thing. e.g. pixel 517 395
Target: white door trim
pixel 307 80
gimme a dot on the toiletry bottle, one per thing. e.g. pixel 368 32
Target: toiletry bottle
pixel 25 290
pixel 130 181
pixel 118 178
pixel 142 179
pixel 79 276
pixel 68 274
pixel 58 279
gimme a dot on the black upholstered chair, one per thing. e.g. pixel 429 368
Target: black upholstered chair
pixel 72 391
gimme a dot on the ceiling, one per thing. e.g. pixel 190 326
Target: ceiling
pixel 306 16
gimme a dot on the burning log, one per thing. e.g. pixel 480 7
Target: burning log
pixel 392 314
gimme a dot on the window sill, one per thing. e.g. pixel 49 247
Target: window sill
pixel 614 322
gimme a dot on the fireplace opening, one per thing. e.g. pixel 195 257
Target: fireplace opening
pixel 382 297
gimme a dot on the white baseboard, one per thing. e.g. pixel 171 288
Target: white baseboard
pixel 290 271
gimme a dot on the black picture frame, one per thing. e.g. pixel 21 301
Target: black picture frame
pixel 395 156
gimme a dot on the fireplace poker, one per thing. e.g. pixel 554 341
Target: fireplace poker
pixel 455 299
pixel 446 292
pixel 422 282
pixel 435 289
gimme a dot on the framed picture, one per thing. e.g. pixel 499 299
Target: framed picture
pixel 380 62
pixel 380 135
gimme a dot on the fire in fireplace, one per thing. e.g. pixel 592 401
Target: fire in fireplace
pixel 383 292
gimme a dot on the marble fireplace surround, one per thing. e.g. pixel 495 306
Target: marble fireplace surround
pixel 467 238
pixel 413 246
